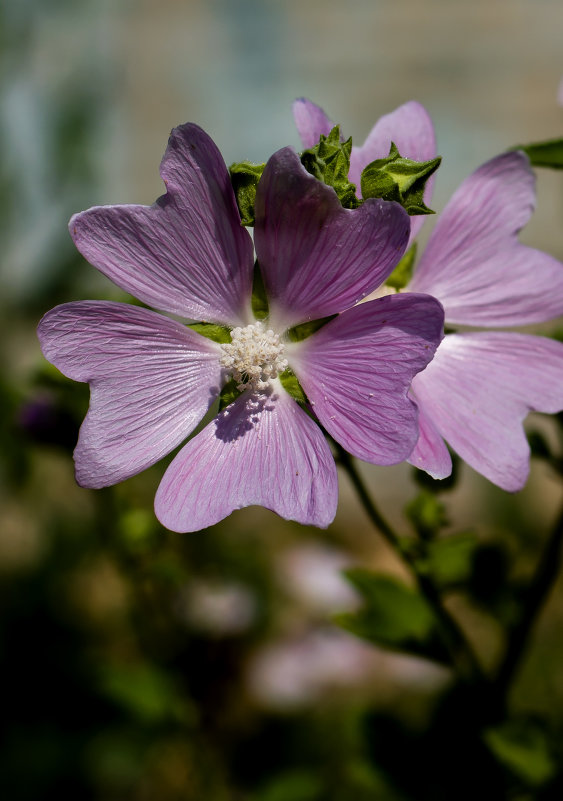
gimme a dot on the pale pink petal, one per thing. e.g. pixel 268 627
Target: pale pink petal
pixel 259 450
pixel 356 372
pixel 318 258
pixel 311 121
pixel 479 388
pixel 151 380
pixel 410 128
pixel 430 453
pixel 188 253
pixel 474 263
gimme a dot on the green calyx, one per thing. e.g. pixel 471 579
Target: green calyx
pixel 218 333
pixel 244 178
pixel 399 179
pixel 544 154
pixel 329 162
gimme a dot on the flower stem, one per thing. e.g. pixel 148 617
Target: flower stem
pixel 536 595
pixel 461 654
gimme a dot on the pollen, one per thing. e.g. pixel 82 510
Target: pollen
pixel 254 356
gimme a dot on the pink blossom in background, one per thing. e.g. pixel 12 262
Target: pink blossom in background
pixel 152 379
pixel 480 386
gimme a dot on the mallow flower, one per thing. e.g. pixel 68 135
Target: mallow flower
pixel 153 378
pixel 480 386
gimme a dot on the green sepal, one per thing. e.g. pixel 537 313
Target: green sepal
pixel 399 179
pixel 244 178
pixel 218 333
pixel 304 330
pixel 393 616
pixel 544 154
pixel 329 162
pixel 402 273
pixel 292 386
pixel 259 300
pixel 427 514
pixel 228 394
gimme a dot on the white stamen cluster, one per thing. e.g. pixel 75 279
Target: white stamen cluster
pixel 254 356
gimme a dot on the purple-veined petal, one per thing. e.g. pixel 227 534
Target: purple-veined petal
pixel 430 452
pixel 410 128
pixel 318 258
pixel 188 253
pixel 311 121
pixel 357 370
pixel 262 449
pixel 473 261
pixel 479 388
pixel 151 381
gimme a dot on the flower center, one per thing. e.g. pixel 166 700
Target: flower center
pixel 254 356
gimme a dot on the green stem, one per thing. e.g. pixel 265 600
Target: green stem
pixel 536 595
pixel 460 651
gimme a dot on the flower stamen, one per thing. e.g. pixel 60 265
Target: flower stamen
pixel 254 356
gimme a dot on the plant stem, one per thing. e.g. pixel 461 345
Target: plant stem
pixel 535 597
pixel 460 651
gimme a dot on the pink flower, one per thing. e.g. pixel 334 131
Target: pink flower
pixel 480 386
pixel 153 379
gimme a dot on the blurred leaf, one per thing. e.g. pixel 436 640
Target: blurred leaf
pixel 298 785
pixel 450 560
pixel 400 179
pixel 218 333
pixel 244 178
pixel 393 615
pixel 544 154
pixel 329 161
pixel 538 445
pixel 402 273
pixel 427 514
pixel 523 747
pixel 145 692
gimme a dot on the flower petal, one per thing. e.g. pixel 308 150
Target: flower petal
pixel 474 263
pixel 151 380
pixel 479 388
pixel 188 253
pixel 430 452
pixel 410 128
pixel 311 121
pixel 318 258
pixel 357 369
pixel 259 450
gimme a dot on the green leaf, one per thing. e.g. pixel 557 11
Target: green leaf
pixel 450 560
pixel 244 178
pixel 524 749
pixel 329 162
pixel 259 300
pixel 544 154
pixel 402 273
pixel 292 386
pixel 228 394
pixel 393 615
pixel 427 514
pixel 218 333
pixel 304 330
pixel 399 179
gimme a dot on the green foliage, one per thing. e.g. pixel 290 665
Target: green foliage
pixel 228 394
pixel 304 330
pixel 399 179
pixel 393 615
pixel 427 514
pixel 259 301
pixel 329 161
pixel 245 177
pixel 544 154
pixel 402 273
pixel 292 386
pixel 523 748
pixel 449 561
pixel 298 785
pixel 218 333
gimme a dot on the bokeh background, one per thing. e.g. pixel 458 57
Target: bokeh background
pixel 140 664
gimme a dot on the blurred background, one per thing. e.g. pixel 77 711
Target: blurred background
pixel 140 664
